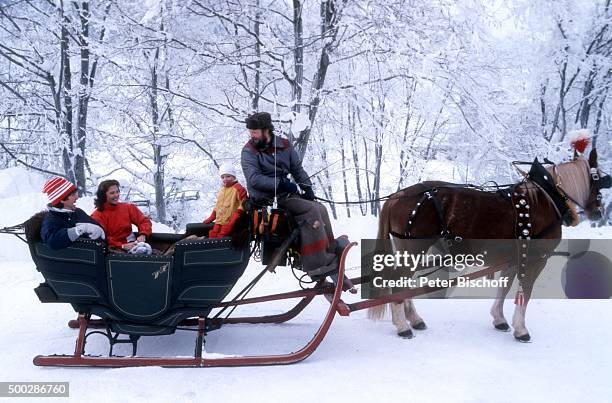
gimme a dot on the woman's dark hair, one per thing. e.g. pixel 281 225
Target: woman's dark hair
pixel 101 193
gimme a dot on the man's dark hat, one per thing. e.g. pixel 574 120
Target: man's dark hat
pixel 259 120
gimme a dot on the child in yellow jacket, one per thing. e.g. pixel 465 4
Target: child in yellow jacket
pixel 229 203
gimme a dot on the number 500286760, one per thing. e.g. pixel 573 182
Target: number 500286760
pixel 31 389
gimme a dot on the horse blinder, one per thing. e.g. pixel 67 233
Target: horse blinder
pixel 604 182
pixel 600 181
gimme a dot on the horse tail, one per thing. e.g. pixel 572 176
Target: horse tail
pixel 383 223
pixel 378 312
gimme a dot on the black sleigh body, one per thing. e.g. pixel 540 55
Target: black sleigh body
pixel 140 294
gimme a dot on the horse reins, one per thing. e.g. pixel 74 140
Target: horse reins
pixel 392 196
pixel 383 198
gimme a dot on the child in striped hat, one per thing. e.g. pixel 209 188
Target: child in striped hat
pixel 64 221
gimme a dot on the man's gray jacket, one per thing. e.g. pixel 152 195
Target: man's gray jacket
pixel 259 166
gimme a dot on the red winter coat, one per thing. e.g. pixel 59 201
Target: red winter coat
pixel 117 220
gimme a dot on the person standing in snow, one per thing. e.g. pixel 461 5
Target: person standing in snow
pixel 64 222
pixel 228 208
pixel 117 218
pixel 267 160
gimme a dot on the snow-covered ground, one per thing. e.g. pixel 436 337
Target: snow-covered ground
pixel 459 358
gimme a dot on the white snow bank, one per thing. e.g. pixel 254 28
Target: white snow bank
pixel 584 230
pixel 18 181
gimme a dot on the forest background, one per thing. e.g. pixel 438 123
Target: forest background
pixel 374 95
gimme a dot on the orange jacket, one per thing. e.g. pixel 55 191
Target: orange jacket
pixel 229 201
pixel 117 220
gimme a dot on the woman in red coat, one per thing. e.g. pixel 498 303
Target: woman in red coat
pixel 117 218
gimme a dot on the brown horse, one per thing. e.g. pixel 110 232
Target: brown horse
pixel 529 209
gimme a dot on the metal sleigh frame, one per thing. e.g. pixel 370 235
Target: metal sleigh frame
pixel 333 294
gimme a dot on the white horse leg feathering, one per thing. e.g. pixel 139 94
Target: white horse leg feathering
pixel 497 310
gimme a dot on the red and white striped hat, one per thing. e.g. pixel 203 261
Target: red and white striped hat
pixel 57 189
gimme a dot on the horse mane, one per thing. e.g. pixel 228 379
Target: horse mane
pixel 574 178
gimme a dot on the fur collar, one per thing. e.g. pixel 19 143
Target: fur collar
pixel 32 227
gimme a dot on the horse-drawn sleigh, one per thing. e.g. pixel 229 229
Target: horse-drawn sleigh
pixel 135 296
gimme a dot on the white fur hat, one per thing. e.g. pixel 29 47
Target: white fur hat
pixel 227 168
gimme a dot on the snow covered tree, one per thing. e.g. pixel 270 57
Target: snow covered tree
pixel 49 53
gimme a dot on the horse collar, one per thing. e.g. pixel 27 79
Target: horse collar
pixel 542 179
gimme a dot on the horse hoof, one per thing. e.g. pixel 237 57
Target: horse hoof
pixel 502 327
pixel 406 334
pixel 526 338
pixel 420 326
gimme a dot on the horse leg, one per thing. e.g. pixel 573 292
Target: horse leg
pixel 398 317
pixel 413 317
pixel 497 310
pixel 405 312
pixel 518 323
pixel 518 320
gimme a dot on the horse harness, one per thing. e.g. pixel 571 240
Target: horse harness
pixel 429 194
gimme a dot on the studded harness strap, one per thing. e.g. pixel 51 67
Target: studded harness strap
pixel 523 234
pixel 429 194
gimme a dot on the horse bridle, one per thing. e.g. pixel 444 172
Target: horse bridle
pixel 598 180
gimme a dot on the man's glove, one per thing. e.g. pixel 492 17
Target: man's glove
pixel 94 231
pixel 211 218
pixel 308 193
pixel 285 185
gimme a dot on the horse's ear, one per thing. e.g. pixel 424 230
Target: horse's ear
pixel 593 158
